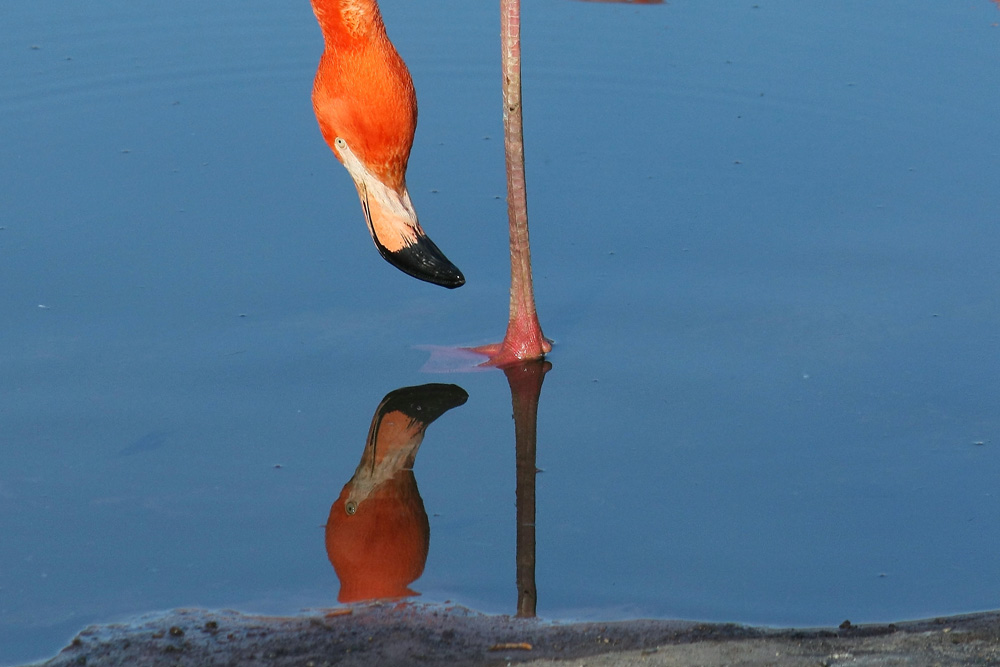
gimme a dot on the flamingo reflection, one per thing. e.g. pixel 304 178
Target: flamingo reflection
pixel 525 382
pixel 377 534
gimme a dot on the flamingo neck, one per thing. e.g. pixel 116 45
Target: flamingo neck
pixel 344 21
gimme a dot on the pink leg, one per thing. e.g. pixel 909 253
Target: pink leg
pixel 524 339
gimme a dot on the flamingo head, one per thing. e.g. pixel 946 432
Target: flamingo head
pixel 367 111
pixel 392 222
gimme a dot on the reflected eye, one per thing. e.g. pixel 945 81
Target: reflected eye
pixel 351 507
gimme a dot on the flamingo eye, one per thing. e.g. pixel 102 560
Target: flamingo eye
pixel 340 143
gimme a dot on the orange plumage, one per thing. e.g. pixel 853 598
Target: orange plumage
pixel 367 111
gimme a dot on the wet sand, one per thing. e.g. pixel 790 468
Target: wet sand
pixel 407 634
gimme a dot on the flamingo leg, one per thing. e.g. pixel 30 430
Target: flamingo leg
pixel 524 339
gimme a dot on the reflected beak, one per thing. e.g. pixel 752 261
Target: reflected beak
pixel 393 224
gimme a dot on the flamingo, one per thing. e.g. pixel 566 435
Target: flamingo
pixel 367 111
pixel 366 107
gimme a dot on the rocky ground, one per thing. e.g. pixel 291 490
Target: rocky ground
pixel 408 634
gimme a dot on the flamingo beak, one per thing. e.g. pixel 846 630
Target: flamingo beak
pixel 402 242
pixel 393 224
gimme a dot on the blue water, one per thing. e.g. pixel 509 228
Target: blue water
pixel 764 239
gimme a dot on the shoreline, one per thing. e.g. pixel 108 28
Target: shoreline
pixel 437 635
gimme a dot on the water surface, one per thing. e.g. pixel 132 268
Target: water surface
pixel 765 243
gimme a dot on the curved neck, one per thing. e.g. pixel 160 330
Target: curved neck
pixel 347 20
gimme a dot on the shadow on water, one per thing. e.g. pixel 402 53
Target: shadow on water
pixel 377 534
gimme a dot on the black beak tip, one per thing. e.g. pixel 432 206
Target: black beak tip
pixel 425 261
pixel 426 402
pixel 454 280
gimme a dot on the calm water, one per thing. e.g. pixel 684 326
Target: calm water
pixel 765 241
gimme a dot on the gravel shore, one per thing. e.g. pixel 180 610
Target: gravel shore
pixel 408 634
